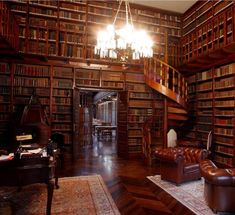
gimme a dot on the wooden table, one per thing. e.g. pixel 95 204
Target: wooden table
pixel 25 171
pixel 101 128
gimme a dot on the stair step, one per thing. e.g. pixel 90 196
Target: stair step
pixel 176 110
pixel 173 116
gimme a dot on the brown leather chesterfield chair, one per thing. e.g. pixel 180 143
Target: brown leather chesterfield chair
pixel 219 187
pixel 180 164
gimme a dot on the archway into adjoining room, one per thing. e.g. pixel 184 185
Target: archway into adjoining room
pixel 95 122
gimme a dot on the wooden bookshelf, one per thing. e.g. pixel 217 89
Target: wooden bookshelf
pixel 207 27
pixel 215 105
pixel 153 129
pixel 9 30
pixel 28 79
pixel 224 114
pixel 5 100
pixel 68 28
pixel 62 102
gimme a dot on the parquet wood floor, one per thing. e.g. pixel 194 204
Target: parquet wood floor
pixel 126 180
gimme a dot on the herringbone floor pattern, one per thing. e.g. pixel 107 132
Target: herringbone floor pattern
pixel 126 180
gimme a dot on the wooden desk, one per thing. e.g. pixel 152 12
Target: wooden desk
pixel 101 128
pixel 25 171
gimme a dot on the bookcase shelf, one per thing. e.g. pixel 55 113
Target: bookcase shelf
pixel 68 27
pixel 207 26
pixel 62 101
pixel 218 86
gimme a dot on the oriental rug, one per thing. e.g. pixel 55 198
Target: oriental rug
pixel 81 195
pixel 190 194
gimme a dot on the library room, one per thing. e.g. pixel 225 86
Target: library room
pixel 117 107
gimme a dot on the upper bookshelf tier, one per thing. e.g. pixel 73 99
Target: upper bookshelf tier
pixel 68 29
pixel 208 37
pixel 9 30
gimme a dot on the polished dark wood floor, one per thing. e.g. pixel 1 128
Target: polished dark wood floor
pixel 126 180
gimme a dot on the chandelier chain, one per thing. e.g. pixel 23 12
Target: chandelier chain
pixel 116 15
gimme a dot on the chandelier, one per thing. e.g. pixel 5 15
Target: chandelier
pixel 124 43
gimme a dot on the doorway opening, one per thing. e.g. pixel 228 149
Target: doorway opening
pixel 97 122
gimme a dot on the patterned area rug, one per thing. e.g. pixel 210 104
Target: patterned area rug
pixel 83 195
pixel 189 194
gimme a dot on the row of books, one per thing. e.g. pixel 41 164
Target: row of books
pixel 140 103
pixel 223 103
pixel 222 121
pixel 208 95
pixel 61 118
pixel 72 15
pixel 41 71
pixel 61 126
pixel 63 72
pixel 112 76
pixel 25 100
pixel 112 84
pixel 204 86
pixel 224 160
pixel 224 149
pixel 134 141
pixel 135 132
pixel 61 109
pixel 70 50
pixel 228 82
pixel 136 87
pixel 66 101
pixel 140 111
pixel 71 26
pixel 224 94
pixel 224 70
pixel 225 140
pixel 87 74
pixel 62 92
pixel 42 22
pixel 44 11
pixel 224 112
pixel 60 83
pixel 42 92
pixel 88 82
pixel 225 131
pixel 202 104
pixel 70 37
pixel 31 82
pixel 136 118
pixel 204 75
pixel 140 95
pixel 72 7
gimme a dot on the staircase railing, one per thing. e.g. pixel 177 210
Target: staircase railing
pixel 167 80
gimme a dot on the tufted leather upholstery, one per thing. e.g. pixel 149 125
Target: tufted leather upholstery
pixel 180 164
pixel 219 188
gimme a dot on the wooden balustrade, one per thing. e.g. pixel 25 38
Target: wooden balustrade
pixel 166 80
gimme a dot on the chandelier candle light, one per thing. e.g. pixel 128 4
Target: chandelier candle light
pixel 125 43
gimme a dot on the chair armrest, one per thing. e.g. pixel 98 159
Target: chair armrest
pixel 217 176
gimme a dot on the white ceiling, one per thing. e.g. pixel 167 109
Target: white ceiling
pixel 179 6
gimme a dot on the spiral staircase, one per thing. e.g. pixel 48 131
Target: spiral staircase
pixel 166 80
